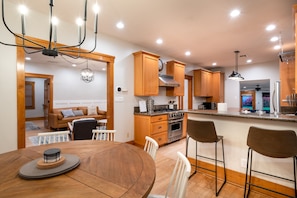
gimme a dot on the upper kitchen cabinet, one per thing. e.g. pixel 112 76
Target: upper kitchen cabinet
pixel 218 80
pixel 202 83
pixel 177 70
pixel 146 70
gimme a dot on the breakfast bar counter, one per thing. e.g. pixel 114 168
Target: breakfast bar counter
pixel 234 126
pixel 246 114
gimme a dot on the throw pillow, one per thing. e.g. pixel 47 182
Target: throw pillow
pixel 78 112
pixel 92 110
pixel 67 113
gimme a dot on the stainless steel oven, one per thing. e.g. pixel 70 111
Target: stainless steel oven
pixel 175 126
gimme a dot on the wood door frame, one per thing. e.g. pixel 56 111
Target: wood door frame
pixel 108 59
pixel 190 91
pixel 51 80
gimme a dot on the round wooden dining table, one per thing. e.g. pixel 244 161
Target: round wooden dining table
pixel 107 169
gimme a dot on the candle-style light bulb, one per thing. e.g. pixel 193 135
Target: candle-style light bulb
pixel 96 10
pixel 23 10
pixel 79 23
pixel 55 22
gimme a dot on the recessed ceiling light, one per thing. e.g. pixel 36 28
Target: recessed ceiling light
pixel 214 64
pixel 103 69
pixel 28 58
pixel 235 13
pixel 120 25
pixel 249 60
pixel 73 65
pixel 273 39
pixel 159 41
pixel 187 53
pixel 270 27
pixel 276 47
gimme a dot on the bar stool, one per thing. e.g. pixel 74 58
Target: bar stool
pixel 205 132
pixel 270 143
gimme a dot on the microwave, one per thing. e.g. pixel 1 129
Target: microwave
pixel 209 105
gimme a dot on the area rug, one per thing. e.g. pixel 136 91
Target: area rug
pixel 31 126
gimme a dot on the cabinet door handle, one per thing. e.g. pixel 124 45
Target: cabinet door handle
pixel 159 139
pixel 160 127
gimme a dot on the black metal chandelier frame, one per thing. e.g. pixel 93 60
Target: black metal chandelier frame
pixel 52 49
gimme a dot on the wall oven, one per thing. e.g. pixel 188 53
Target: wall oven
pixel 175 126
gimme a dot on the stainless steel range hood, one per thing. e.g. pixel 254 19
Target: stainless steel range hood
pixel 167 81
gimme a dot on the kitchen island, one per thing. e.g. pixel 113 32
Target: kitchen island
pixel 234 126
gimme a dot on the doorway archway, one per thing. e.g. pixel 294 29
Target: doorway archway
pixel 109 60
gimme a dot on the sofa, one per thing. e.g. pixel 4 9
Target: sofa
pixel 58 118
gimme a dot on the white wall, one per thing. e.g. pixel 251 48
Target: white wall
pixel 39 98
pixel 268 70
pixel 123 76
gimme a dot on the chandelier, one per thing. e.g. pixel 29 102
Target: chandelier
pixel 87 75
pixel 235 75
pixel 52 49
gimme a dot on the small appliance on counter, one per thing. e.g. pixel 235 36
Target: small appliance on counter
pixel 171 104
pixel 209 105
pixel 150 105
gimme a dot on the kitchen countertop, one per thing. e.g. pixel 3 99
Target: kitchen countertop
pixel 156 113
pixel 265 116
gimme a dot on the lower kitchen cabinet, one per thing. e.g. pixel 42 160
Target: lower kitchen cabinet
pixel 154 126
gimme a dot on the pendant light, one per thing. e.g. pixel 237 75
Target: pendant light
pixel 87 75
pixel 235 75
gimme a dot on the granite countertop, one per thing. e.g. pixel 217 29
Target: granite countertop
pixel 151 114
pixel 265 116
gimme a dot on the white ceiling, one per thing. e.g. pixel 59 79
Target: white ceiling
pixel 203 27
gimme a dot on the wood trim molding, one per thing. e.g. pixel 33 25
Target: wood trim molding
pixel 21 85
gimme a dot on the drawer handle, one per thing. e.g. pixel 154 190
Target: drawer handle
pixel 160 127
pixel 159 139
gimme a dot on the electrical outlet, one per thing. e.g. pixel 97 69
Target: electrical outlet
pixel 243 162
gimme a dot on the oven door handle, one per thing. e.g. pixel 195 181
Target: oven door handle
pixel 173 121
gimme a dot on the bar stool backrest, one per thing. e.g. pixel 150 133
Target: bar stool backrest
pixel 202 131
pixel 273 143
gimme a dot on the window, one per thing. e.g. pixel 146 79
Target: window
pixel 30 95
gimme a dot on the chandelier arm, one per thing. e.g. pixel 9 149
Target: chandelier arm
pixel 85 31
pixel 61 50
pixel 16 35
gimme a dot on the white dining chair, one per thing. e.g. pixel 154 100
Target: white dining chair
pixel 107 135
pixel 179 179
pixel 53 137
pixel 151 146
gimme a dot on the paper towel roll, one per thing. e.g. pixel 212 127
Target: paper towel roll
pixel 222 106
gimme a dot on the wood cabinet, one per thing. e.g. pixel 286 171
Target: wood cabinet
pixel 287 78
pixel 146 72
pixel 154 126
pixel 218 84
pixel 202 83
pixel 177 70
pixel 295 19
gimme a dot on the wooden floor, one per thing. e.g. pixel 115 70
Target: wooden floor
pixel 199 186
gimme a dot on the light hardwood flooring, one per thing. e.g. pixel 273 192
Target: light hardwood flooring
pixel 200 185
